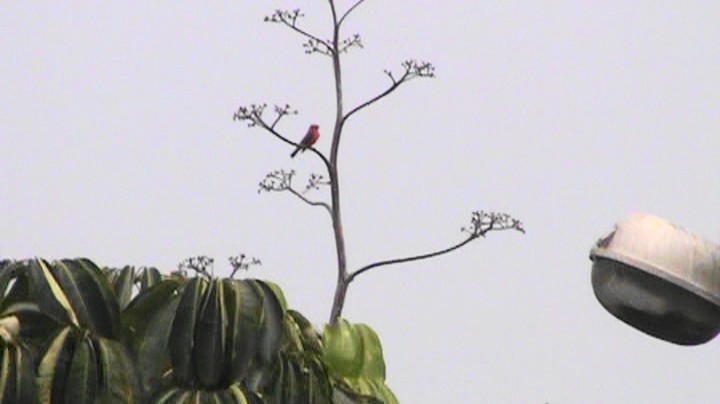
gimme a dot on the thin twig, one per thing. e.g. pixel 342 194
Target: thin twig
pixel 201 265
pixel 315 182
pixel 254 116
pixel 354 6
pixel 392 88
pixel 408 259
pixel 481 223
pixel 281 180
pixel 238 263
pixel 412 69
pixel 289 19
pixel 348 43
pixel 310 202
pixel 309 36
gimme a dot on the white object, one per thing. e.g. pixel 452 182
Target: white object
pixel 660 279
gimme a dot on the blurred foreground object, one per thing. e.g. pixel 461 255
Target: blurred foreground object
pixel 659 279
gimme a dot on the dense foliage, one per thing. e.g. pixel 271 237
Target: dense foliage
pixel 71 332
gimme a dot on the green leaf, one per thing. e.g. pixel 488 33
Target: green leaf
pixel 6 373
pixel 343 394
pixel 182 336
pixel 141 311
pixel 343 349
pixel 49 295
pixel 123 286
pixel 81 382
pixel 239 395
pixel 18 287
pixel 372 388
pixel 35 327
pixel 317 381
pixel 373 363
pixel 353 354
pixel 309 338
pixel 90 294
pixel 279 295
pixel 24 376
pixel 119 383
pixel 17 375
pixel 149 277
pixel 7 274
pixel 173 395
pixel 297 380
pixel 244 311
pixel 149 320
pixel 271 325
pixel 54 366
pixel 210 337
pixel 384 391
pixel 84 369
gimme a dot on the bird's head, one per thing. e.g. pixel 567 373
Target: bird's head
pixel 314 127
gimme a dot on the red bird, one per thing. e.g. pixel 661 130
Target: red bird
pixel 312 136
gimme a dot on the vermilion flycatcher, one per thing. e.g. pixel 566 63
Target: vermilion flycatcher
pixel 312 136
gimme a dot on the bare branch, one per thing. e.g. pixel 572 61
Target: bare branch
pixel 280 112
pixel 276 181
pixel 309 202
pixel 238 263
pixel 408 259
pixel 483 222
pixel 253 115
pixel 281 181
pixel 346 44
pixel 289 19
pixel 202 265
pixel 342 285
pixel 334 14
pixel 411 69
pixel 354 6
pixel 480 224
pixel 417 68
pixel 315 182
pixel 313 46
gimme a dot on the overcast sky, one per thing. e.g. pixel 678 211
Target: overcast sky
pixel 118 144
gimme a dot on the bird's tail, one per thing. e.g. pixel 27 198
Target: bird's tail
pixel 297 150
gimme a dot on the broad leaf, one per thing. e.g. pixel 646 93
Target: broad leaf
pixel 118 382
pixel 244 310
pixel 210 337
pixel 343 349
pixel 182 337
pixel 81 383
pixel 148 320
pixel 90 295
pixel 49 295
pixel 54 367
pixel 123 283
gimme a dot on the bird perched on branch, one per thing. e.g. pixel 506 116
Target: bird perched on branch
pixel 312 136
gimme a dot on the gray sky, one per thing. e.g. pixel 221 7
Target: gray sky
pixel 118 144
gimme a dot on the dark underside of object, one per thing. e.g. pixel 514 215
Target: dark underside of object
pixel 654 305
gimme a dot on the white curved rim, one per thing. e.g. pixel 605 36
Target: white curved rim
pixel 655 270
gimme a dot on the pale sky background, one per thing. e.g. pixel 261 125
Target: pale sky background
pixel 118 144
